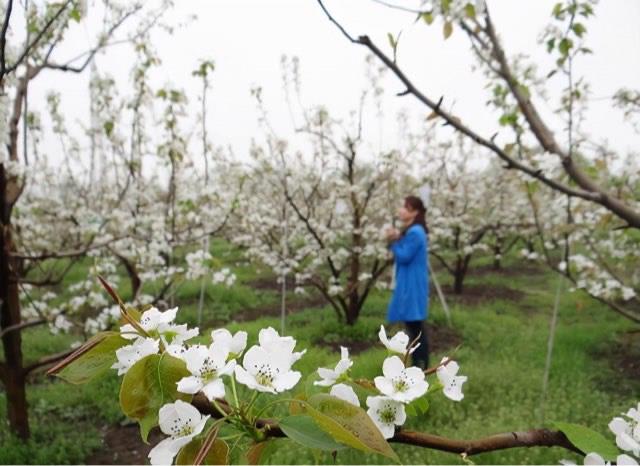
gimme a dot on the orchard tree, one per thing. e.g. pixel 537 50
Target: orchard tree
pixel 515 85
pixel 318 214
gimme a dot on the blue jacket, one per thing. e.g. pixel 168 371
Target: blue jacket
pixel 411 294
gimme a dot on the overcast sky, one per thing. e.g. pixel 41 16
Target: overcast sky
pixel 246 39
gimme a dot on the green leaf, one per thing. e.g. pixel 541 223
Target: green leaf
pixel 557 10
pixel 75 15
pixel 108 127
pixel 447 29
pixel 446 4
pixel 259 453
pixel 348 424
pixel 392 41
pixel 588 440
pixel 419 406
pixel 564 46
pixel 218 454
pixel 96 360
pixel 579 29
pixel 305 431
pixel 470 10
pixel 427 17
pixel 148 385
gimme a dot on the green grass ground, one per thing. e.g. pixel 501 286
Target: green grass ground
pixel 503 352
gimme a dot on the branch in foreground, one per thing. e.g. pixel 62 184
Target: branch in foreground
pixel 503 441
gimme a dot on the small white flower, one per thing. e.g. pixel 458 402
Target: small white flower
pixel 331 376
pixel 207 366
pixel 182 422
pixel 397 344
pixel 386 413
pixel 400 383
pixel 594 459
pixel 236 343
pixel 130 354
pixel 172 334
pixel 452 383
pixel 626 460
pixel 150 320
pixel 267 371
pixel 627 432
pixel 346 393
pixel 271 341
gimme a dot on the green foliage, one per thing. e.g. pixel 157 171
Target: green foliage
pixel 98 357
pixel 304 430
pixel 348 424
pixel 218 453
pixel 588 440
pixel 148 385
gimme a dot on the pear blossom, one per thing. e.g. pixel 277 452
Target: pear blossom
pixel 594 459
pixel 207 366
pixel 331 376
pixel 398 343
pixel 346 393
pixel 270 340
pixel 452 383
pixel 400 383
pixel 386 413
pixel 235 343
pixel 628 431
pixel 267 371
pixel 130 354
pixel 157 323
pixel 150 320
pixel 182 422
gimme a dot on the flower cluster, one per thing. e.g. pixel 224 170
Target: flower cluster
pixel 398 385
pixel 266 367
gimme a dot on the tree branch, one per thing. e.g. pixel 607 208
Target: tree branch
pixel 588 189
pixel 39 36
pixel 47 360
pixel 530 438
pixel 3 39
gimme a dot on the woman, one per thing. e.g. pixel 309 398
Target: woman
pixel 411 294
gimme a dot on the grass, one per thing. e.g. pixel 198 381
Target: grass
pixel 503 353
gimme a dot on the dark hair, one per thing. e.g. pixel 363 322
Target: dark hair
pixel 416 204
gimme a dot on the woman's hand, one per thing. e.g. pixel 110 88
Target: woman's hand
pixel 392 234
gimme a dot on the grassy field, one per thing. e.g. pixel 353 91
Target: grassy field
pixel 500 329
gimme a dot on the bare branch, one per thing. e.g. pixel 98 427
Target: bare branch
pixel 3 38
pixel 47 360
pixel 38 37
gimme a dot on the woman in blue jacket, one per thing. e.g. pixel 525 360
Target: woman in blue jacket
pixel 410 298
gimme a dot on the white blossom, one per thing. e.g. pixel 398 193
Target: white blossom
pixel 181 422
pixel 386 413
pixel 400 383
pixel 207 366
pixel 452 383
pixel 397 344
pixel 331 376
pixel 130 354
pixel 346 393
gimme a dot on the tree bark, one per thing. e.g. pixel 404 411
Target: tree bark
pixel 14 379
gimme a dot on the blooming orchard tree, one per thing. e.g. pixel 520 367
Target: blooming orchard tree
pixel 470 205
pixel 319 215
pixel 107 200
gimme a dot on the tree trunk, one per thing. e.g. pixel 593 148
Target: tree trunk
pixel 497 255
pixel 14 379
